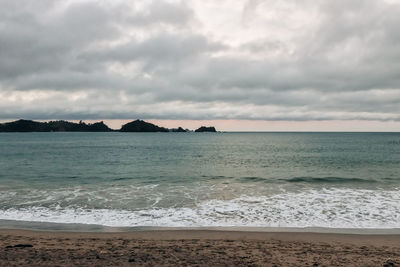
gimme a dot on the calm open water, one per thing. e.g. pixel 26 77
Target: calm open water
pixel 340 180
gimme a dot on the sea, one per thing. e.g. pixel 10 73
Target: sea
pixel 224 179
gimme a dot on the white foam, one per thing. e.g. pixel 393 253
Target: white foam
pixel 336 208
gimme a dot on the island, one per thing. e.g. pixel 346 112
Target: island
pixel 205 129
pixel 53 126
pixel 66 126
pixel 142 126
pixel 179 130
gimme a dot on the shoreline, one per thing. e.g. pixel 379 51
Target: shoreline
pixel 196 247
pixel 212 234
pixel 97 228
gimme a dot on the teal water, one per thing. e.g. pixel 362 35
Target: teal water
pixel 340 180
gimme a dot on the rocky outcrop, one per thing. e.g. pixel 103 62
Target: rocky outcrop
pixel 178 130
pixel 205 129
pixel 141 126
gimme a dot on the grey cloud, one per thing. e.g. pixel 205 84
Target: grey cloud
pixel 54 41
pixel 161 12
pixel 161 48
pixel 30 44
pixel 120 61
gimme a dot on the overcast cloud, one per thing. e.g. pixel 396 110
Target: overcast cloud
pixel 191 59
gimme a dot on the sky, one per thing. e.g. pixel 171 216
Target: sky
pixel 237 64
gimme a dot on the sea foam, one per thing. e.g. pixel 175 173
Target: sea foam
pixel 334 208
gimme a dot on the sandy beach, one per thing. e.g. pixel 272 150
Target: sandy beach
pixel 196 248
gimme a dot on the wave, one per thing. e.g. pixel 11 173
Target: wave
pixel 334 208
pixel 254 179
pixel 305 179
pixel 123 178
pixel 328 179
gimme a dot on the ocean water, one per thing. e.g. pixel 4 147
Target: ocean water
pixel 335 180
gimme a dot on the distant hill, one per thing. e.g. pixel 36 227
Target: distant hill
pixel 52 126
pixel 66 126
pixel 205 129
pixel 141 126
pixel 178 130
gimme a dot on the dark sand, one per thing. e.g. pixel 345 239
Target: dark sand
pixel 196 248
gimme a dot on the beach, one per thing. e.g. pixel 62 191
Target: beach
pixel 218 199
pixel 196 248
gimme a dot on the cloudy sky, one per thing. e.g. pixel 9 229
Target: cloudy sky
pixel 288 64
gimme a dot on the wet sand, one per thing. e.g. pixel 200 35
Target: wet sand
pixel 196 248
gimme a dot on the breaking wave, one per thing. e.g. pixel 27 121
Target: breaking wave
pixel 334 208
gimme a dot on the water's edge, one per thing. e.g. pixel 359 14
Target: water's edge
pixel 74 227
